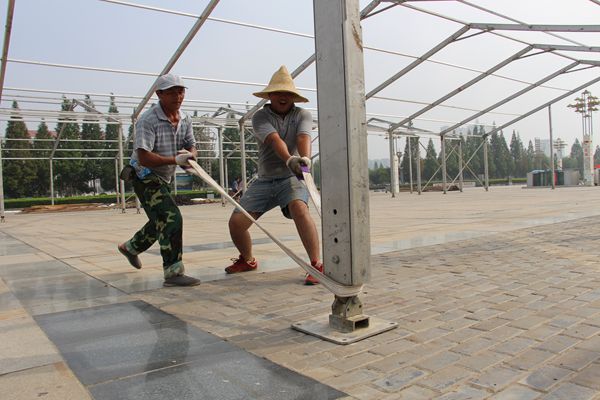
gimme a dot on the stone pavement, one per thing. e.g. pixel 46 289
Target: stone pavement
pixel 497 295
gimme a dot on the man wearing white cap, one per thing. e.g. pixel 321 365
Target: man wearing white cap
pixel 163 140
pixel 283 134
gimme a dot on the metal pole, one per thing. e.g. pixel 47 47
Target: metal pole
pixel 410 171
pixel 551 147
pixel 460 166
pixel 485 163
pixel 120 156
pixel 117 182
pixel 222 176
pixel 343 154
pixel 418 155
pixel 7 32
pixel 443 142
pixel 51 182
pixel 393 166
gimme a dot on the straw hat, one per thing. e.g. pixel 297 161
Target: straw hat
pixel 281 81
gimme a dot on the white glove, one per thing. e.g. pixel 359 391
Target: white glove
pixel 306 162
pixel 295 164
pixel 182 158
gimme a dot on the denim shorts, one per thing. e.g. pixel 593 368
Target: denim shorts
pixel 265 194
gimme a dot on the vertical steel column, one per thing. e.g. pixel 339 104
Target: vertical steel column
pixel 418 155
pixel 460 166
pixel 7 31
pixel 443 143
pixel 51 181
pixel 117 182
pixel 551 147
pixel 120 162
pixel 222 176
pixel 485 163
pixel 393 166
pixel 341 98
pixel 243 151
pixel 410 171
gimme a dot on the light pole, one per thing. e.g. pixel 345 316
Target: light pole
pixel 585 105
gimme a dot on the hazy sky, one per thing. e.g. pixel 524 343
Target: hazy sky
pixel 101 34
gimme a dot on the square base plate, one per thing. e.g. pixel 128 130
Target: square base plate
pixel 320 328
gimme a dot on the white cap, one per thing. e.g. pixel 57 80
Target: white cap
pixel 167 81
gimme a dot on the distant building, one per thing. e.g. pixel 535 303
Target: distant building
pixel 542 146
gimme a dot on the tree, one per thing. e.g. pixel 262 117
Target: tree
pixel 430 165
pixel 517 154
pixel 43 143
pixel 107 167
pixel 69 172
pixel 500 162
pixel 406 161
pixel 530 157
pixel 472 151
pixel 597 156
pixel 92 170
pixel 19 175
pixel 576 156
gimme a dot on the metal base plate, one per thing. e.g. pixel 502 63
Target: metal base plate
pixel 320 328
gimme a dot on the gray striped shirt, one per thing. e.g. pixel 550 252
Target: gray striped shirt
pixel 154 132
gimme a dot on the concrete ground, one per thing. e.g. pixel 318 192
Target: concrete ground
pixel 496 294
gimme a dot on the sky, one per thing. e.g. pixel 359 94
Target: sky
pixel 135 44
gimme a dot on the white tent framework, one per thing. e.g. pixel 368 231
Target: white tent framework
pixel 411 90
pixel 39 100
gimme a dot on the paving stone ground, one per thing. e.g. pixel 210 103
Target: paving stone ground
pixel 504 303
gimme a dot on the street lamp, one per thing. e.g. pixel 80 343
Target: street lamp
pixel 585 105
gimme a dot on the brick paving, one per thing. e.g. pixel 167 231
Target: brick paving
pixel 511 313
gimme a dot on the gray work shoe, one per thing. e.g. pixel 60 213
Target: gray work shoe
pixel 132 258
pixel 181 280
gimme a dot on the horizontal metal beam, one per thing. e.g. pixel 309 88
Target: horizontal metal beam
pixel 490 71
pixel 559 98
pixel 418 61
pixel 553 47
pixel 511 97
pixel 537 28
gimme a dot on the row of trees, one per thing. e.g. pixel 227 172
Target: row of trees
pixel 91 152
pixel 504 160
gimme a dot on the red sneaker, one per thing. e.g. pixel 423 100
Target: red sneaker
pixel 241 265
pixel 309 279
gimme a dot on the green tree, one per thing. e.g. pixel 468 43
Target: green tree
pixel 70 176
pixel 92 170
pixel 20 174
pixel 518 156
pixel 406 161
pixel 43 144
pixel 107 167
pixel 530 155
pixel 430 165
pixel 576 157
pixel 500 162
pixel 474 152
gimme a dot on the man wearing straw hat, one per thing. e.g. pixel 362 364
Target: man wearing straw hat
pixel 163 140
pixel 283 134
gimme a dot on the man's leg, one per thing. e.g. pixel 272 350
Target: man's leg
pixel 239 225
pixel 145 237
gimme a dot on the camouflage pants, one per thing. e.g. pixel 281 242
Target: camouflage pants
pixel 165 224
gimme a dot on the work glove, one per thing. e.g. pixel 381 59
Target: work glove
pixel 295 164
pixel 182 159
